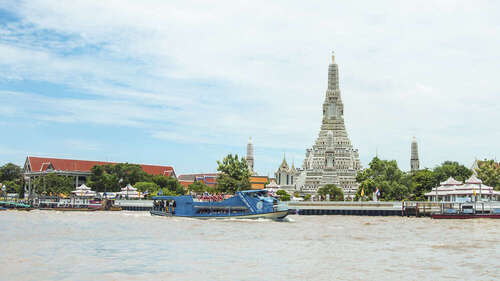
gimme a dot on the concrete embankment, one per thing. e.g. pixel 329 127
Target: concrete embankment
pixel 135 205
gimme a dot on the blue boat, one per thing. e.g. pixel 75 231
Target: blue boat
pixel 249 204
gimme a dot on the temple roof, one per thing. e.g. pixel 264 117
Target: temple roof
pixel 451 181
pixel 284 165
pixel 473 180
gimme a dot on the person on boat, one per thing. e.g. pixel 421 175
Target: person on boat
pixel 170 209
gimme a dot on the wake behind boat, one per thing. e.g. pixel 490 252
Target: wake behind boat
pixel 249 204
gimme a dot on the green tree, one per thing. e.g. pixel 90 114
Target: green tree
pixel 53 184
pixel 128 173
pixel 307 197
pixel 13 186
pixel 102 178
pixel 284 196
pixel 10 172
pixel 144 186
pixel 422 181
pixel 112 177
pixel 161 180
pixel 173 185
pixel 452 169
pixel 198 187
pixel 234 174
pixel 489 172
pixel 387 177
pixel 335 193
pixel 11 177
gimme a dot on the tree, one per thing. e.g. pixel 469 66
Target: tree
pixel 422 181
pixel 13 186
pixel 53 184
pixel 11 177
pixel 489 172
pixel 103 179
pixel 173 185
pixel 112 177
pixel 284 196
pixel 452 169
pixel 234 174
pixel 10 172
pixel 161 180
pixel 386 176
pixel 307 197
pixel 335 193
pixel 144 186
pixel 198 187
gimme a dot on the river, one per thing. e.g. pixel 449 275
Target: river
pixel 45 245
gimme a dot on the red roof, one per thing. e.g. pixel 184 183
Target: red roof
pixel 39 164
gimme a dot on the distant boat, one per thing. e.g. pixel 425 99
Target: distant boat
pixel 249 204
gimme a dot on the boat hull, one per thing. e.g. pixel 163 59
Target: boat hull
pixel 461 217
pixel 274 215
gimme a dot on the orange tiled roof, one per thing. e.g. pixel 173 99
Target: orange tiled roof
pixel 43 163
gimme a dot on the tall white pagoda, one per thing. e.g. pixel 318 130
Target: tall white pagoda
pixel 332 159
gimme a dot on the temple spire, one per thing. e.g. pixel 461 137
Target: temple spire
pixel 414 161
pixel 250 158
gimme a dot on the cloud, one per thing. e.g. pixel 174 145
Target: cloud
pixel 217 72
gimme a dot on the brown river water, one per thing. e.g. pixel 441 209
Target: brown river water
pixel 45 245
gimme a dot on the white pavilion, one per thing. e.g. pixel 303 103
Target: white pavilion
pixel 129 192
pixel 473 189
pixel 83 191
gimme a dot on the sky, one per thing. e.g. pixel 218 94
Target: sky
pixel 184 83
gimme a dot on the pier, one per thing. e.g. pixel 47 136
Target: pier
pixel 359 208
pixel 392 208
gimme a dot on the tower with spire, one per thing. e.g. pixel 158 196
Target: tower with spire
pixel 332 159
pixel 250 158
pixel 414 161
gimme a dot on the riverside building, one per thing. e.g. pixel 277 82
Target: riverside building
pixel 332 159
pixel 35 167
pixel 452 190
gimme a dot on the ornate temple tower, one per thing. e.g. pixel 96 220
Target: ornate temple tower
pixel 250 156
pixel 332 159
pixel 286 177
pixel 414 162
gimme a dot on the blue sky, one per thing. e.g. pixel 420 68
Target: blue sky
pixel 184 83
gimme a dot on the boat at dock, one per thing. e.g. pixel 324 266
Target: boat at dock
pixel 69 209
pixel 86 206
pixel 467 211
pixel 8 205
pixel 249 204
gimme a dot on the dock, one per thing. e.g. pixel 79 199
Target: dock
pixel 347 208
